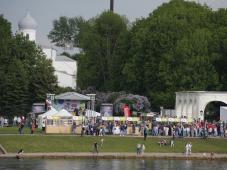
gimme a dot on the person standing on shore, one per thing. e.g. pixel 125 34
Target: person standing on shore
pixel 142 148
pixel 20 154
pixel 138 149
pixel 189 148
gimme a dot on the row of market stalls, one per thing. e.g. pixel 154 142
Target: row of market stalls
pixel 68 109
pixel 62 121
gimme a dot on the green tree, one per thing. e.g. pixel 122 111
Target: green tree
pixel 15 90
pixel 219 45
pixel 100 43
pixel 65 31
pixel 164 54
pixel 25 74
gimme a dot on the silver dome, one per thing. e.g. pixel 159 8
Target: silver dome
pixel 27 22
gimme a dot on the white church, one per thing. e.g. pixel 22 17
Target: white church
pixel 65 67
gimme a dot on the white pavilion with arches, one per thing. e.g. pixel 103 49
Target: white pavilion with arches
pixel 192 104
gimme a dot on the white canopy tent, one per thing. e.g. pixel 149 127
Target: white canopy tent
pixel 92 113
pixel 62 113
pixel 43 116
pixel 60 122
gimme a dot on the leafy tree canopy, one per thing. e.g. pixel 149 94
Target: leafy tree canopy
pixel 25 73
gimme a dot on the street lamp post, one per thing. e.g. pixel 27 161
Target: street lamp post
pixel 49 100
pixel 201 115
pixel 161 110
pixel 92 101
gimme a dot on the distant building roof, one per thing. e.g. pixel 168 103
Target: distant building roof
pixel 206 92
pixel 64 72
pixel 63 58
pixel 72 96
pixel 28 22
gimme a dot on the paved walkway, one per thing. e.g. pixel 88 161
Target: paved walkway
pixel 124 155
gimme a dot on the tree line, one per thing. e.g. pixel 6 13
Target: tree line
pixel 180 46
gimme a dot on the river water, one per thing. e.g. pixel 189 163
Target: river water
pixel 110 164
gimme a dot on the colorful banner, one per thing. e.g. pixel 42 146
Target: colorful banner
pixel 106 110
pixel 183 120
pixel 69 105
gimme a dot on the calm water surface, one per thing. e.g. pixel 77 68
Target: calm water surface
pixel 112 164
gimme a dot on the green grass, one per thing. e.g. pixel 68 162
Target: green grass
pixel 14 130
pixel 66 143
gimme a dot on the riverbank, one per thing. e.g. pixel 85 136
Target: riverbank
pixel 125 155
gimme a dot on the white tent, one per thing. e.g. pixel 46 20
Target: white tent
pixel 43 116
pixel 62 113
pixel 92 113
pixel 50 112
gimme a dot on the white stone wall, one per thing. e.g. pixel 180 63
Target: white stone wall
pixel 50 53
pixel 65 80
pixel 66 72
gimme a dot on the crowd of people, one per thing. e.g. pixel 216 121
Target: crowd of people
pixel 144 128
pixel 20 122
pixel 153 128
pixel 194 129
pixel 3 122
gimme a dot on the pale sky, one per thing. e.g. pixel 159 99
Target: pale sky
pixel 45 11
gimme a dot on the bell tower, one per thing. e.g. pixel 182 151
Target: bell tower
pixel 27 26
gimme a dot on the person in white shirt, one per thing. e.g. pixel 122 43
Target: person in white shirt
pixel 190 148
pixel 187 149
pixel 142 148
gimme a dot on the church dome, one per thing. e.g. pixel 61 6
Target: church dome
pixel 27 22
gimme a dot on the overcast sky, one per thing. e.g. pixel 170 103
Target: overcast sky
pixel 45 11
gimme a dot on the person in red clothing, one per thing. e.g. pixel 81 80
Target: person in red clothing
pixel 210 129
pixel 33 127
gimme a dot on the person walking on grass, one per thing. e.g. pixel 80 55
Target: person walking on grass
pixel 74 128
pixel 33 127
pixel 96 147
pixel 145 132
pixel 102 140
pixel 172 143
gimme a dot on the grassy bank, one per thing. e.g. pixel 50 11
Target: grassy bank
pixel 58 143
